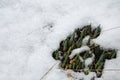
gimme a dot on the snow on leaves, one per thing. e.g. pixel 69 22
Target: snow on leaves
pixel 79 61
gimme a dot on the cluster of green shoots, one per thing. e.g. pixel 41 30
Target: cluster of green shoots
pixel 74 41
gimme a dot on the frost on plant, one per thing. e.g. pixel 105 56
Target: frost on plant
pixel 77 62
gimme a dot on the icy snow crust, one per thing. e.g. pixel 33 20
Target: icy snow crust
pixel 30 30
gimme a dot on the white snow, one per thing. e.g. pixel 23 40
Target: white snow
pixel 78 50
pixel 27 39
pixel 85 40
pixel 88 61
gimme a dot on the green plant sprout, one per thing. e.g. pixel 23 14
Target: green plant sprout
pixel 74 41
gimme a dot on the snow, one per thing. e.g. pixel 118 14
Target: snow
pixel 88 61
pixel 30 30
pixel 78 50
pixel 85 40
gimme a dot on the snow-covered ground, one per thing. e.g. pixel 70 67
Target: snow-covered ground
pixel 31 29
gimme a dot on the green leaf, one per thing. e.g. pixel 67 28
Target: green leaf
pixel 70 66
pixel 79 43
pixel 65 43
pixel 101 59
pixel 87 55
pixel 86 72
pixel 100 66
pixel 71 39
pixel 73 66
pixel 56 55
pixel 69 50
pixel 96 32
